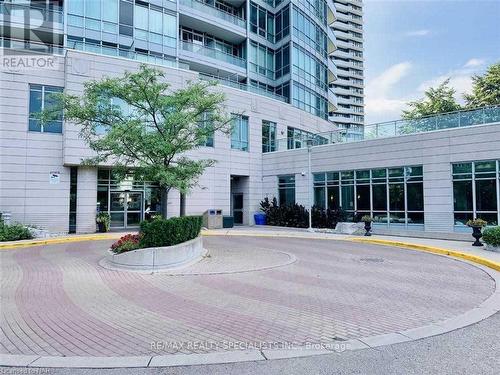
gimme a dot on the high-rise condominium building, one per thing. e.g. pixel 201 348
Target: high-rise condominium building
pixel 348 58
pixel 278 48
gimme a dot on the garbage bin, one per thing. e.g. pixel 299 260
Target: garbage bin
pixel 227 222
pixel 212 219
pixel 260 218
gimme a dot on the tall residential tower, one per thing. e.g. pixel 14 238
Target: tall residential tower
pixel 348 57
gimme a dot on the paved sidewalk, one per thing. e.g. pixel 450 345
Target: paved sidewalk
pixel 461 246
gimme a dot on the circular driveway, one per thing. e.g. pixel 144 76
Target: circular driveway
pixel 57 301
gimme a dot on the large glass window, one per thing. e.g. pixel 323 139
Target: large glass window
pixel 476 191
pixel 43 98
pixel 206 123
pixel 286 190
pixel 392 196
pixel 305 29
pixel 268 136
pixel 297 138
pixel 239 134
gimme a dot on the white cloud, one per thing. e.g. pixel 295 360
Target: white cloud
pixel 378 101
pixel 382 105
pixel 472 63
pixel 460 78
pixel 422 32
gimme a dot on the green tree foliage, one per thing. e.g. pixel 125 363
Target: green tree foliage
pixel 485 88
pixel 136 120
pixel 436 100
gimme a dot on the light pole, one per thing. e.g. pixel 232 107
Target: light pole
pixel 309 181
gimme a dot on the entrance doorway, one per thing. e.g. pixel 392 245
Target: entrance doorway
pixel 125 209
pixel 238 208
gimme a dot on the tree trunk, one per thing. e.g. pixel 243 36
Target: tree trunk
pixel 182 204
pixel 164 201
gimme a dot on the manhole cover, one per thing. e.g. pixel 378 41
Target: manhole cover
pixel 372 260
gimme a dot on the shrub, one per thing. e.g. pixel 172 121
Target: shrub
pixel 491 236
pixel 104 219
pixel 477 223
pixel 168 232
pixel 14 232
pixel 127 243
pixel 366 218
pixel 297 216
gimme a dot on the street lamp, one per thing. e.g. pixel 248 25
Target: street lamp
pixel 309 181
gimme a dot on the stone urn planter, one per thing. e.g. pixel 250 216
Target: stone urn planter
pixel 157 258
pixel 367 219
pixel 477 234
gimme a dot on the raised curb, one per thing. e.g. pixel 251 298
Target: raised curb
pixel 59 240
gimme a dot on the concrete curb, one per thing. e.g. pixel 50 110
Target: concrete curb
pixel 59 240
pixel 487 308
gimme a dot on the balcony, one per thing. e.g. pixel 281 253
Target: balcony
pixel 207 18
pixel 44 25
pixel 211 61
pixel 332 100
pixel 243 86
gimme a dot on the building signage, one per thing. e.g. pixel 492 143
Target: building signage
pixel 54 177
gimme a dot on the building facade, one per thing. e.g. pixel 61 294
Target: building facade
pixel 348 58
pixel 278 48
pixel 430 176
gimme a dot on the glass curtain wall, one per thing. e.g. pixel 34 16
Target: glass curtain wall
pixel 476 192
pixel 392 196
pixel 128 201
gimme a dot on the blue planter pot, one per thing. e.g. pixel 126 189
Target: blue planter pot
pixel 260 218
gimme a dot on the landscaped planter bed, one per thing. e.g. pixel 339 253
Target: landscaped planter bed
pixel 157 258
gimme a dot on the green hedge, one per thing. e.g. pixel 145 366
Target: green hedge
pixel 14 232
pixel 491 236
pixel 168 232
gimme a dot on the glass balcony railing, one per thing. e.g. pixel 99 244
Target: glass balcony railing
pixel 479 116
pixel 210 9
pixel 214 54
pixel 451 120
pixel 19 11
pixel 117 52
pixel 243 86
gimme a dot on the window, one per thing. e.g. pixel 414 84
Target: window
pixel 206 122
pixel 309 68
pixel 306 30
pixel 73 185
pixel 239 135
pixel 297 138
pixel 268 136
pixel 286 190
pixel 43 98
pixel 476 191
pixel 393 196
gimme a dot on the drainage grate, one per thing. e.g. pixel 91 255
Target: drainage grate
pixel 372 260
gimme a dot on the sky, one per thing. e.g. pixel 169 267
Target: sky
pixel 411 45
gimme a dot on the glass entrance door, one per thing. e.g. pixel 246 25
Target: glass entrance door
pixel 125 209
pixel 238 208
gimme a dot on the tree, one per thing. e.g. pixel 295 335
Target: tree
pixel 485 88
pixel 137 121
pixel 436 100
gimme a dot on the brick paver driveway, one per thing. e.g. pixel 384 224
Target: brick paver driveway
pixel 57 301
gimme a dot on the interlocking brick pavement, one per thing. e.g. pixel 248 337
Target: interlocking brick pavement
pixel 57 301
